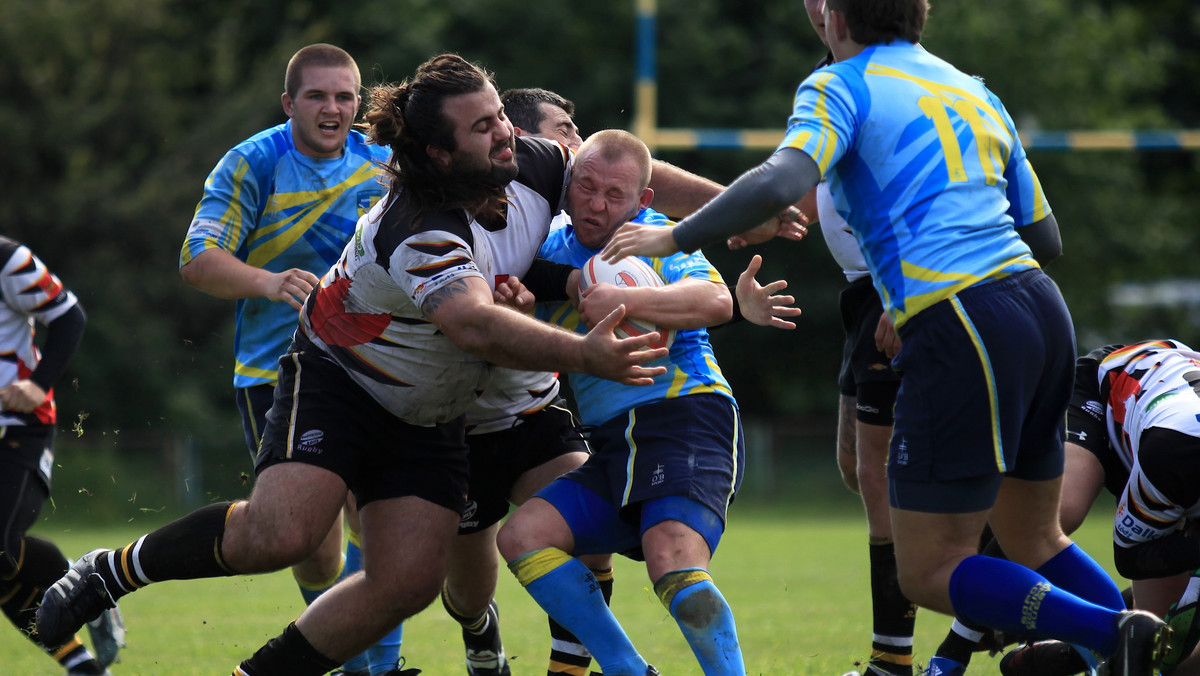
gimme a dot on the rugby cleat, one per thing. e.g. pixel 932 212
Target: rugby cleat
pixel 108 636
pixel 485 651
pixel 1185 634
pixel 650 671
pixel 1141 645
pixel 78 597
pixel 943 666
pixel 1043 658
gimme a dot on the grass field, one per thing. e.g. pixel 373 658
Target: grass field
pixel 796 578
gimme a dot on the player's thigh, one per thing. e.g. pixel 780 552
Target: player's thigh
pixel 539 477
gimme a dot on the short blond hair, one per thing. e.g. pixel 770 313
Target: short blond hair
pixel 617 144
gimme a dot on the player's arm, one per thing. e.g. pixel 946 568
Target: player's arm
pixel 755 197
pixel 689 303
pixel 678 193
pixel 464 311
pixel 218 273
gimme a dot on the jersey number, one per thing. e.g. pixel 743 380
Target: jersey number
pixel 991 156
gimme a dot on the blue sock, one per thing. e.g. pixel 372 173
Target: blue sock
pixel 1016 600
pixel 705 619
pixel 1073 570
pixel 569 593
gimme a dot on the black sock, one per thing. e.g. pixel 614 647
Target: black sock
pixel 958 647
pixel 894 616
pixel 185 549
pixel 289 654
pixel 40 563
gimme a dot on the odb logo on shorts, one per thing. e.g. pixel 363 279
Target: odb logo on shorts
pixel 310 441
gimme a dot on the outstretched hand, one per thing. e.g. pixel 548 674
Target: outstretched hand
pixel 758 303
pixel 620 359
pixel 638 239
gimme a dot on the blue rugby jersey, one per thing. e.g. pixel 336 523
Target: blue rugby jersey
pixel 691 365
pixel 925 164
pixel 275 208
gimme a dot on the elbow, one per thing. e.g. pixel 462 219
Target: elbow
pixel 190 273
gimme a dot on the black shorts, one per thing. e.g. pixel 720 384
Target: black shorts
pixel 1087 423
pixel 25 460
pixel 499 458
pixel 866 372
pixel 321 417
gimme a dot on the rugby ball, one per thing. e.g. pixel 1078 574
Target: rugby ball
pixel 632 272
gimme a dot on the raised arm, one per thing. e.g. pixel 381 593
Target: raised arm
pixel 755 197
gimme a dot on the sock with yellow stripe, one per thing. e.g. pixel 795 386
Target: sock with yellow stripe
pixel 893 616
pixel 569 657
pixel 186 549
pixel 39 563
pixel 569 593
pixel 705 619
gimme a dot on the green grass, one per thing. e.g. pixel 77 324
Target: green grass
pixel 796 578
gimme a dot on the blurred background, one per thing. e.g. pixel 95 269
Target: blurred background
pixel 112 113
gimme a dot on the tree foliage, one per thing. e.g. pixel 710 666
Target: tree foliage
pixel 114 112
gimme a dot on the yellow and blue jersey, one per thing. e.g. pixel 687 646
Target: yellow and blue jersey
pixel 691 365
pixel 925 164
pixel 275 208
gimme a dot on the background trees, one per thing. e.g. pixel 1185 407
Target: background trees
pixel 113 112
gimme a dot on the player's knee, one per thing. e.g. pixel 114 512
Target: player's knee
pixel 514 538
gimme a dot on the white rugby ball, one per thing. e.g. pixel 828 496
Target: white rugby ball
pixel 630 271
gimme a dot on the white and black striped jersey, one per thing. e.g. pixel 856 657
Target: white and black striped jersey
pixel 366 312
pixel 30 293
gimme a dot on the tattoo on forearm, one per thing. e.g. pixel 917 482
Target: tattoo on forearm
pixel 445 294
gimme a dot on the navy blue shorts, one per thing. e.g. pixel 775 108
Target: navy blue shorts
pixel 498 459
pixel 321 417
pixel 689 447
pixel 253 403
pixel 987 376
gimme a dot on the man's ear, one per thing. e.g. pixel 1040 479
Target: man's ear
pixel 286 100
pixel 647 198
pixel 440 157
pixel 519 131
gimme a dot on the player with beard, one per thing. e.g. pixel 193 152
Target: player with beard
pixel 392 348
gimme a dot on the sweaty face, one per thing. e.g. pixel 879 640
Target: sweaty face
pixel 603 196
pixel 558 126
pixel 485 139
pixel 323 110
